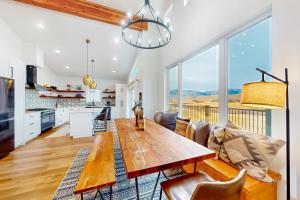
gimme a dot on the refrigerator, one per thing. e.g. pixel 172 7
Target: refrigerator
pixel 7 118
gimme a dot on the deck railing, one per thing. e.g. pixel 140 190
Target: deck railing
pixel 256 121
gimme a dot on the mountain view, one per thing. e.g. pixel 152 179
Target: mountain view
pixel 207 98
pixel 193 93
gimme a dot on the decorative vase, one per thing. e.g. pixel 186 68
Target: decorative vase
pixel 141 120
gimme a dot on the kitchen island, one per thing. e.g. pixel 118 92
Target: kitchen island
pixel 82 120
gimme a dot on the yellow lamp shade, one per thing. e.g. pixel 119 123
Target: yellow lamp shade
pixel 87 79
pixel 269 95
pixel 93 85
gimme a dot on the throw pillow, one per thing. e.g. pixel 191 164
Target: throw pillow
pixel 216 137
pixel 166 119
pixel 213 142
pixel 253 152
pixel 198 132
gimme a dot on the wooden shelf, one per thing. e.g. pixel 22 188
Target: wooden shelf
pixel 66 91
pixel 72 91
pixel 53 97
pixel 108 97
pixel 109 92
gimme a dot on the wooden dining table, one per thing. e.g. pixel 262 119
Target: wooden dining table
pixel 155 149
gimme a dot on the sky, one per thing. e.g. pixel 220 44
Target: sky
pixel 247 50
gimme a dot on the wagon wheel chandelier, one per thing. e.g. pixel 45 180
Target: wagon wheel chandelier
pixel 158 33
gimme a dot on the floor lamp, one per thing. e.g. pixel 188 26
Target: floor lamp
pixel 271 95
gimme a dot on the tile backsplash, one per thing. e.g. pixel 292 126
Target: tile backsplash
pixel 33 100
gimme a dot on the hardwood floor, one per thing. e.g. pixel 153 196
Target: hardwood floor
pixel 35 170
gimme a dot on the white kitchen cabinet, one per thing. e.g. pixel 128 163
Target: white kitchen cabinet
pixel 60 117
pixel 67 114
pixel 32 125
pixel 17 72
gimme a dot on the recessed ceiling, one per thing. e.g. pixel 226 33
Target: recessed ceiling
pixel 57 32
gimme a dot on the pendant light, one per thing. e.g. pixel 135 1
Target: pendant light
pixel 93 84
pixel 87 79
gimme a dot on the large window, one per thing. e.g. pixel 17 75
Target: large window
pixel 197 80
pixel 173 91
pixel 248 50
pixel 200 86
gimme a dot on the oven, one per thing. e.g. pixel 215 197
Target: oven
pixel 47 119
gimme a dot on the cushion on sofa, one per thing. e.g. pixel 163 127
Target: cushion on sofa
pixel 198 132
pixel 216 137
pixel 166 119
pixel 253 152
pixel 181 125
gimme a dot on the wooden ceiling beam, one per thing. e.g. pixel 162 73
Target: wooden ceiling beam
pixel 86 9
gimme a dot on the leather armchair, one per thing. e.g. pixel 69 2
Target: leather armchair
pixel 200 186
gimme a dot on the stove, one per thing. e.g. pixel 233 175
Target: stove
pixel 47 117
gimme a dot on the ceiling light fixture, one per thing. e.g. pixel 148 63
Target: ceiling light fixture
pixel 147 15
pixel 113 71
pixel 117 40
pixel 115 59
pixel 39 25
pixel 57 51
pixel 87 79
pixel 93 84
pixel 67 67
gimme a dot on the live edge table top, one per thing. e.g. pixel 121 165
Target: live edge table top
pixel 156 148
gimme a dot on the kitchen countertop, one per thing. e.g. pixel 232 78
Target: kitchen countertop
pixel 74 109
pixel 88 110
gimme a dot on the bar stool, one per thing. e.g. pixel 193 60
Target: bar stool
pixel 100 121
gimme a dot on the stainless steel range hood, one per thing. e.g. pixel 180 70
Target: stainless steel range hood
pixel 31 79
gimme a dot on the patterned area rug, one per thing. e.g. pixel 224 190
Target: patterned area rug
pixel 123 190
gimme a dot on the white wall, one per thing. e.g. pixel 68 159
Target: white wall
pixel 46 76
pixel 10 44
pixel 286 53
pixel 148 72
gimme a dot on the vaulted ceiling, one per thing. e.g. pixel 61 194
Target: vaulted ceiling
pixel 52 31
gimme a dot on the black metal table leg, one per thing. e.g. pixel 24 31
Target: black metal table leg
pixel 137 188
pixel 81 196
pixel 95 197
pixel 153 193
pixel 195 167
pixel 98 191
pixel 101 195
pixel 166 177
pixel 110 192
pixel 160 193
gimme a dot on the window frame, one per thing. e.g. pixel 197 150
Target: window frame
pixel 222 42
pixel 226 53
pixel 166 106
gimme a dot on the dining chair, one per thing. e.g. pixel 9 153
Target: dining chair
pixel 199 186
pixel 100 122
